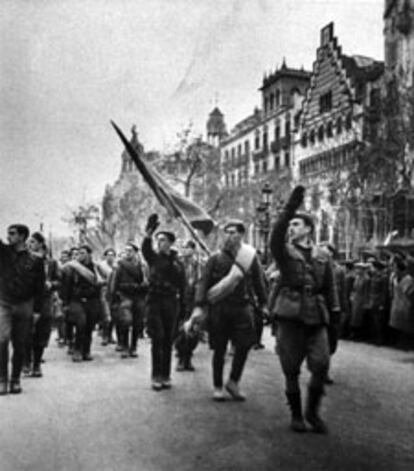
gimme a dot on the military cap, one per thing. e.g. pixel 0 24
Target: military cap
pixel 133 246
pixel 237 223
pixel 307 218
pixel 169 235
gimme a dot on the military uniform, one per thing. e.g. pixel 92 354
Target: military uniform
pixel 82 300
pixel 130 291
pixel 306 302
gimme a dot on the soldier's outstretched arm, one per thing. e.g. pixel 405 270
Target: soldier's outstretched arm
pixel 278 235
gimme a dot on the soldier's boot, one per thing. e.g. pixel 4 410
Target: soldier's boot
pixel 180 365
pixel 297 423
pixel 15 387
pixel 312 411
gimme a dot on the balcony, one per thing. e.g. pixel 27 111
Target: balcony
pixel 282 144
pixel 259 154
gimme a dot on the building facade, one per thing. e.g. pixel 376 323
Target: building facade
pixel 340 116
pixel 260 147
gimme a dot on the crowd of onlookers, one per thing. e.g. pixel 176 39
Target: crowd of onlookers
pixel 376 297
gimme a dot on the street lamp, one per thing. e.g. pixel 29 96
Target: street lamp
pixel 263 220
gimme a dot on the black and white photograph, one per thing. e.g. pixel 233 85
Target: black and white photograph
pixel 206 235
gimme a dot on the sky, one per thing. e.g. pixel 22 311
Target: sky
pixel 67 67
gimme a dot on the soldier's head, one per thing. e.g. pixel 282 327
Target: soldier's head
pixel 37 242
pixel 74 253
pixel 130 251
pixel 189 249
pixel 234 232
pixel 165 240
pixel 301 228
pixel 64 256
pixel 85 254
pixel 17 234
pixel 110 255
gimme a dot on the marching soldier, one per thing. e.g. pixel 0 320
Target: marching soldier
pixel 81 287
pixel 40 335
pixel 22 279
pixel 166 299
pixel 128 287
pixel 307 299
pixel 229 278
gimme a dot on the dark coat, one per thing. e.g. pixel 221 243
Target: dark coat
pixel 293 303
pixel 22 276
pixel 166 274
pixel 128 279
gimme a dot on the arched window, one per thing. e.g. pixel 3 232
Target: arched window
pixel 312 136
pixel 257 140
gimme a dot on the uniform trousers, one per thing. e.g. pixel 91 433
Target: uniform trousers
pixel 162 316
pixel 297 342
pixel 15 321
pixel 84 314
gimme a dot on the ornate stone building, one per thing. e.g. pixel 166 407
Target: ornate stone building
pixel 261 146
pixel 340 115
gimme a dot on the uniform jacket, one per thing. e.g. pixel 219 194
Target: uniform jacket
pixel 128 279
pixel 294 295
pixel 22 276
pixel 218 266
pixel 166 273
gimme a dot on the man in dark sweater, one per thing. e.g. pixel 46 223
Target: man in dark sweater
pixel 306 304
pixel 165 301
pixel 231 317
pixel 22 281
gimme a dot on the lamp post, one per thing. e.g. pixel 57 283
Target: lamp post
pixel 263 220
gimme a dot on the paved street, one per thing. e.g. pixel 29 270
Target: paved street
pixel 104 416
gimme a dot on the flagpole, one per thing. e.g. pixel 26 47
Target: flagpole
pixel 159 192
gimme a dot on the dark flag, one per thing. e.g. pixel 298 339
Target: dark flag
pixel 192 215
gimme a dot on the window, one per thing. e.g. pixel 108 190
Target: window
pixel 325 102
pixel 287 159
pixel 256 168
pixel 272 101
pixel 239 150
pixel 321 133
pixel 264 166
pixel 233 157
pixel 233 180
pixel 277 97
pixel 348 122
pixel 257 140
pixel 304 140
pixel 277 163
pixel 312 137
pixel 329 130
pixel 246 147
pixel 287 128
pixel 339 126
pixel 265 138
pixel 277 133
